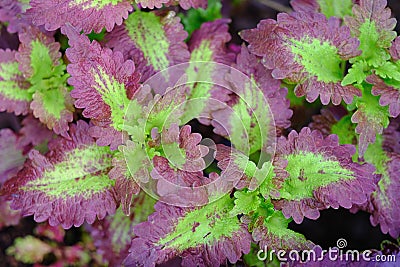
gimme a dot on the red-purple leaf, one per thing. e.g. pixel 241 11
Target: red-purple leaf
pixel 389 95
pixel 13 13
pixel 314 173
pixel 204 236
pixel 291 48
pixel 103 84
pixel 153 40
pixel 86 15
pixel 68 185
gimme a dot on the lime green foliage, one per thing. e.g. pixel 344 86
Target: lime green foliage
pixel 82 172
pixel 332 8
pixel 97 36
pixel 344 129
pixel 25 5
pixel 357 73
pixel 9 86
pixel 251 169
pixel 375 117
pixel 175 155
pixel 212 224
pixel 373 44
pixel 120 228
pixel 97 4
pixel 162 114
pixel 138 156
pixel 250 121
pixel 147 32
pixel 201 74
pixel 195 17
pixel 372 50
pixel 252 260
pixel 277 226
pixel 42 64
pixel 48 79
pixel 29 249
pixel 309 171
pixel 389 70
pixel 309 52
pixel 378 157
pixel 54 102
pixel 246 201
pixel 113 94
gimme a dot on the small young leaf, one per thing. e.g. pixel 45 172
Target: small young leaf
pixel 40 62
pixel 356 74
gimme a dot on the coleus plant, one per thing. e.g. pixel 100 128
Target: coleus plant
pixel 113 95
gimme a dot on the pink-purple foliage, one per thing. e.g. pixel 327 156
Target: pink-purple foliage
pixel 167 136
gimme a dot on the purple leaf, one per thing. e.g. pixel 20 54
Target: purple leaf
pixel 389 95
pixel 204 236
pixel 289 47
pixel 103 85
pixel 86 15
pixel 113 235
pixel 375 12
pixel 13 12
pixel 68 185
pixel 313 173
pixel 12 157
pixel 153 40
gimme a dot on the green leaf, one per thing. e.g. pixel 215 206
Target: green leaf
pixel 10 86
pixel 272 233
pixel 388 70
pixel 195 17
pixel 332 8
pixel 345 130
pixel 146 30
pixel 309 51
pixel 213 224
pixel 277 226
pixel 246 201
pixel 42 64
pixel 357 73
pixel 371 118
pixel 309 171
pixel 29 249
pixel 372 52
pixel 82 172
